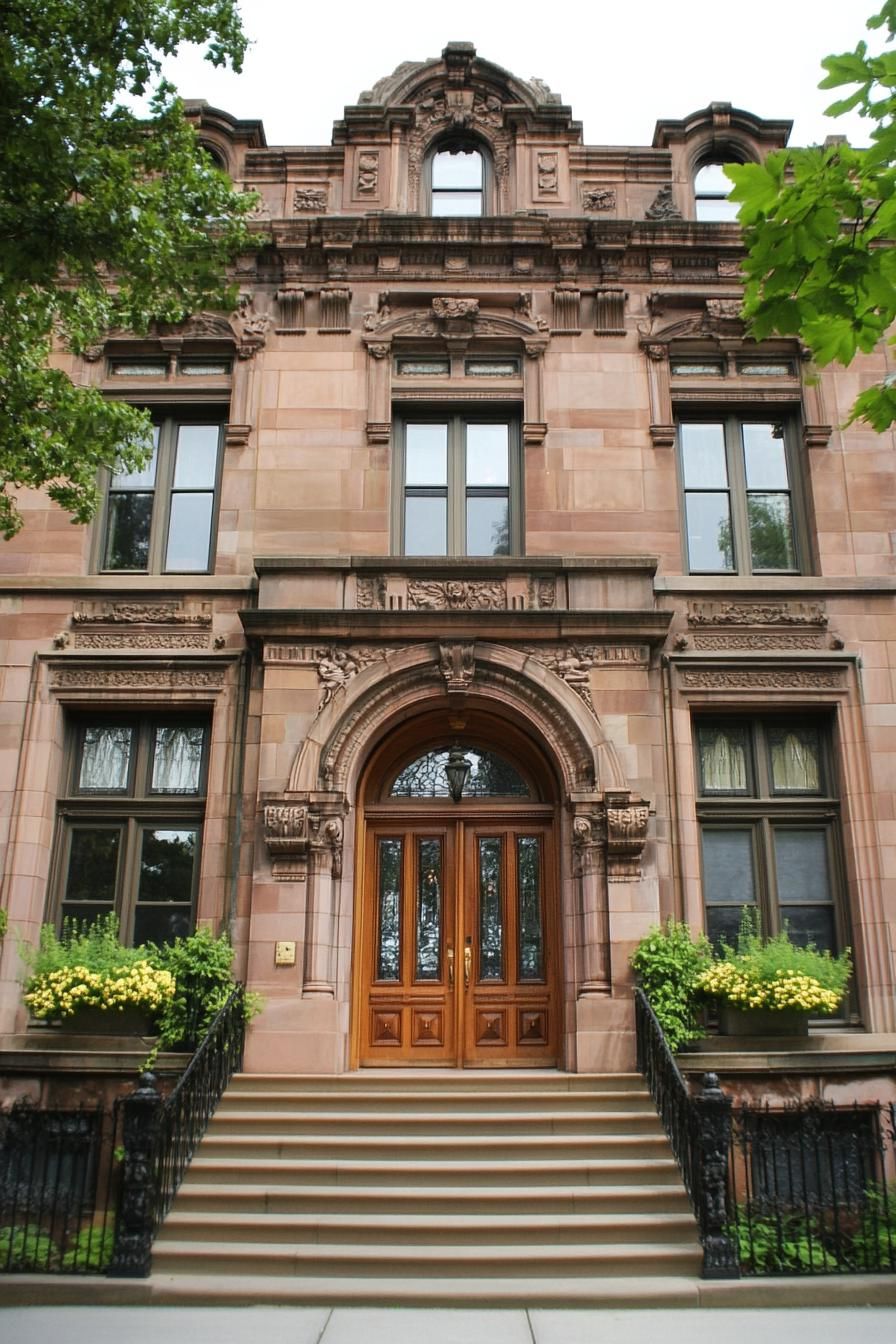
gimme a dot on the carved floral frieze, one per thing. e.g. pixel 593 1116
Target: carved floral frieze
pixel 136 679
pixel 757 613
pixel 763 679
pixel 379 592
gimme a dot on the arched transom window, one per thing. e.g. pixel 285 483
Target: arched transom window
pixel 490 776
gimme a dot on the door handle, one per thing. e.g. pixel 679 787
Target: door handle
pixel 451 968
pixel 468 966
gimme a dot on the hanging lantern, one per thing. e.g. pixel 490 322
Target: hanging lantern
pixel 457 770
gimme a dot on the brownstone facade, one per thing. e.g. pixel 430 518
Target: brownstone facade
pixel 677 537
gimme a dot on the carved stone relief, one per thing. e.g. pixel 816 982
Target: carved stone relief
pixel 453 309
pixel 368 166
pixel 757 613
pixel 297 833
pixel 573 663
pixel 309 198
pixel 547 167
pixel 378 592
pixel 136 679
pixel 627 818
pixel 141 613
pixel 663 206
pixel 598 199
pixel 456 595
pixel 157 640
pixel 457 666
pixel 757 641
pixel 761 679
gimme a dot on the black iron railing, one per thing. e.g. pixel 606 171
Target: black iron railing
pixel 60 1173
pixel 160 1136
pixel 699 1130
pixel 85 1191
pixel 808 1188
pixel 812 1189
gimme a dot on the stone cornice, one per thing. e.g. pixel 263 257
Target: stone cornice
pixel 646 627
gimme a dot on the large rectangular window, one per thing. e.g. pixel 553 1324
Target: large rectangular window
pixel 131 824
pixel 459 486
pixel 741 508
pixel 769 828
pixel 162 519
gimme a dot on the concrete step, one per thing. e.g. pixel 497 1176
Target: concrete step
pixel 433 1228
pixel 610 1171
pixel 454 1082
pixel 549 1148
pixel 398 1261
pixel 404 1102
pixel 453 1124
pixel 444 1200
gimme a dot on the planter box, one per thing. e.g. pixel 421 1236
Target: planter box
pixel 109 1022
pixel 762 1021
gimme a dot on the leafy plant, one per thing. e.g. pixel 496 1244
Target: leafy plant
pixel 91 1249
pixel 87 967
pixel 786 1244
pixel 668 963
pixel 202 967
pixel 27 1248
pixel 818 224
pixel 875 1237
pixel 775 973
pixel 4 923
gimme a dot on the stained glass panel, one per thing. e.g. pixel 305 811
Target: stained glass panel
pixel 177 759
pixel 105 759
pixel 429 909
pixel 531 935
pixel 490 776
pixel 795 759
pixel 388 956
pixel 724 758
pixel 491 915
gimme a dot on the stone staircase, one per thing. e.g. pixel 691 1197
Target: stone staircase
pixel 431 1188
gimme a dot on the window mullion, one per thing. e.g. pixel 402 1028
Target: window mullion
pixel 129 879
pixel 162 502
pixel 737 497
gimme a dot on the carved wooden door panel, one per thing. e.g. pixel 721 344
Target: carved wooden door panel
pixel 457 945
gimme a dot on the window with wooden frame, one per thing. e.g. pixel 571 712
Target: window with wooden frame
pixel 458 484
pixel 769 828
pixel 130 823
pixel 741 498
pixel 162 519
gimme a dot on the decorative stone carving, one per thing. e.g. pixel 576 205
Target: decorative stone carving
pixel 547 168
pixel 251 328
pixel 542 594
pixel 663 206
pixel 139 613
pixel 309 198
pixel 627 818
pixel 368 166
pixel 757 613
pixel 598 199
pixel 335 309
pixel 756 641
pixel 729 270
pixel 136 679
pixel 573 663
pixel 261 211
pixel 567 316
pixel 456 595
pixel 453 309
pixel 302 836
pixel 724 310
pixel 335 669
pixel 141 641
pixel 761 679
pixel 370 593
pixel 589 838
pixel 291 303
pixel 609 311
pixel 457 666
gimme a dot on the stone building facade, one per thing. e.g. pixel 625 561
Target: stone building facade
pixel 482 472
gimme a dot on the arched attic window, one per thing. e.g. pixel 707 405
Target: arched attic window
pixel 711 188
pixel 216 155
pixel 458 178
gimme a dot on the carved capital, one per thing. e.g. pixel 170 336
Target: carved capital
pixel 304 833
pixel 627 818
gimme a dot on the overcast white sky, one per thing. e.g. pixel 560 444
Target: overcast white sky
pixel 620 64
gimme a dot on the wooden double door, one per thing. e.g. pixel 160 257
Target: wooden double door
pixel 457 942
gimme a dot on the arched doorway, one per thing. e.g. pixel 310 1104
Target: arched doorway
pixel 457 929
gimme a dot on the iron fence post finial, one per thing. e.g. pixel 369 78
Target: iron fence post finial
pixel 720 1260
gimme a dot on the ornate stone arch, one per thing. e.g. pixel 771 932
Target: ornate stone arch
pixel 349 724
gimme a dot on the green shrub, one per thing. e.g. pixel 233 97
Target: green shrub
pixel 91 1249
pixel 4 923
pixel 27 1248
pixel 786 1245
pixel 202 966
pixel 667 963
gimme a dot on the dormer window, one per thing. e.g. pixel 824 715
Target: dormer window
pixel 711 188
pixel 457 180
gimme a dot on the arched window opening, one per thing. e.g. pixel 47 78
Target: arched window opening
pixel 491 776
pixel 457 180
pixel 711 188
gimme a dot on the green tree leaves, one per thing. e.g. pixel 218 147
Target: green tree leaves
pixel 106 221
pixel 819 226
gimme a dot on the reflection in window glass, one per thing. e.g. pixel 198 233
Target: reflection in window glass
pixel 92 870
pixel 388 955
pixel 804 886
pixel 490 777
pixel 105 758
pixel 177 759
pixel 728 880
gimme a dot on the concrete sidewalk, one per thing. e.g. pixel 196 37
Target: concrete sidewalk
pixel 377 1325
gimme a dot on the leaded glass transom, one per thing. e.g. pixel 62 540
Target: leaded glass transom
pixel 490 777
